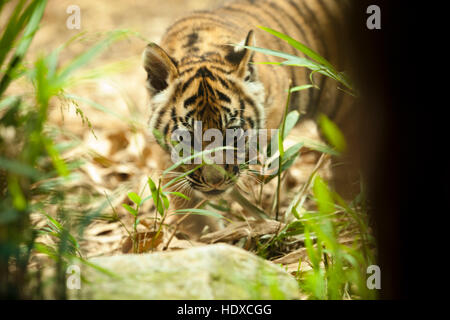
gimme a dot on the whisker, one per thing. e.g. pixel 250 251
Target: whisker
pixel 177 184
pixel 251 176
pixel 242 187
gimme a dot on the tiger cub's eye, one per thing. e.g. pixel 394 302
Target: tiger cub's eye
pixel 238 135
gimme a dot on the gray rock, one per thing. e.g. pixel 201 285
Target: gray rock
pixel 217 271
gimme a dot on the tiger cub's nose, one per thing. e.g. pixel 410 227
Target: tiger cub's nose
pixel 213 175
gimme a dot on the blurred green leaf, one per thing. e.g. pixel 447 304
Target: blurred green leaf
pixel 300 88
pixel 165 200
pixel 8 102
pixel 19 200
pixel 130 209
pixel 135 198
pixel 36 8
pixel 288 159
pixel 323 196
pixel 58 163
pixel 156 196
pixel 291 120
pixel 31 16
pixel 332 133
pixel 314 256
pixel 19 168
pixel 323 148
pixel 219 207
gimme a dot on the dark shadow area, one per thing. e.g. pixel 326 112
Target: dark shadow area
pixel 389 135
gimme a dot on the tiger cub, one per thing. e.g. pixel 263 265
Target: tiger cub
pixel 195 74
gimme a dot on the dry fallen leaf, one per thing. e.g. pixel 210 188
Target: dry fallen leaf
pixel 118 141
pixel 239 230
pixel 145 242
pixel 178 244
pixel 292 257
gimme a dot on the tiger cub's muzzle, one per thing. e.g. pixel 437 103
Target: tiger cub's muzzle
pixel 214 179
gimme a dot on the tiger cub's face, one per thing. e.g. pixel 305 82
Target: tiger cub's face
pixel 218 90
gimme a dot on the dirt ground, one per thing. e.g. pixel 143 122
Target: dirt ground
pixel 118 153
pixel 148 18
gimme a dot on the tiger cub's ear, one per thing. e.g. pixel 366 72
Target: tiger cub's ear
pixel 161 69
pixel 241 57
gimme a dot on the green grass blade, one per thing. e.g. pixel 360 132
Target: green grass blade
pixel 58 163
pixel 323 148
pixel 179 194
pixel 155 191
pixel 299 46
pixel 31 27
pixel 289 57
pixel 87 56
pixel 20 168
pixel 288 159
pixel 36 10
pixel 97 267
pixel 196 155
pixel 130 209
pixel 8 102
pixel 202 212
pixel 94 104
pixel 12 30
pixel 323 195
pixel 171 182
pixel 300 88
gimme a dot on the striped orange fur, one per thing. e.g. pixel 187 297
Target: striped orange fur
pixel 195 73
